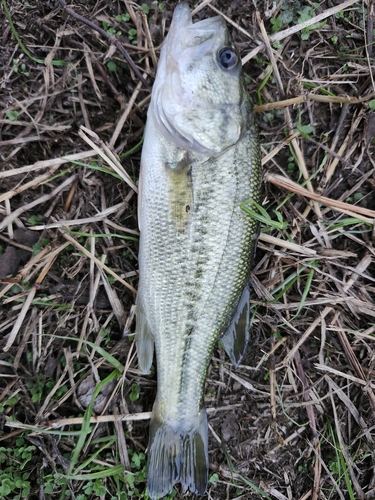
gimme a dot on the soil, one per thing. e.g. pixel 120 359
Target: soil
pixel 296 419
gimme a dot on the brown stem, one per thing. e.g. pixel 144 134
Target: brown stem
pixel 112 39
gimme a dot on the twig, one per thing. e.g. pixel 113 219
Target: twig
pixel 43 199
pixel 124 116
pixel 344 450
pixel 39 165
pixel 300 26
pixel 20 318
pixel 272 377
pixel 352 358
pixel 111 38
pixel 107 155
pixel 313 97
pixel 307 333
pixel 286 183
pixel 97 261
pixel 347 376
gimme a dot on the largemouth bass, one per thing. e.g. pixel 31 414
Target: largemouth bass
pixel 200 161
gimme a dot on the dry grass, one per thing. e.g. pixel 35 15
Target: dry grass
pixel 296 420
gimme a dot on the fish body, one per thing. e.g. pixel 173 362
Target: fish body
pixel 200 161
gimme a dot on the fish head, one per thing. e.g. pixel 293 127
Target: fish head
pixel 198 98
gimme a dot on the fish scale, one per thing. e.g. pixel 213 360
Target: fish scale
pixel 196 243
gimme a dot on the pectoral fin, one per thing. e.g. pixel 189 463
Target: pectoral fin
pixel 140 191
pixel 144 340
pixel 180 196
pixel 237 336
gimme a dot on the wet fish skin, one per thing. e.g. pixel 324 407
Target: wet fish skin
pixel 200 161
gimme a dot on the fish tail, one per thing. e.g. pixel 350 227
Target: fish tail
pixel 178 453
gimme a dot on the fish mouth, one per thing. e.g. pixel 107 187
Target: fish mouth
pixel 182 114
pixel 182 27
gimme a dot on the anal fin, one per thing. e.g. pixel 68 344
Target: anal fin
pixel 237 336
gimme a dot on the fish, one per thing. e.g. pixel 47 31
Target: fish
pixel 200 161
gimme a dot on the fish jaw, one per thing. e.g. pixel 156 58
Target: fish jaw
pixel 189 110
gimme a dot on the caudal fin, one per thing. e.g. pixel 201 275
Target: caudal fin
pixel 178 453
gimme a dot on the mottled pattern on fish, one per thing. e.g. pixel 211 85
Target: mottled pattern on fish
pixel 195 251
pixel 192 278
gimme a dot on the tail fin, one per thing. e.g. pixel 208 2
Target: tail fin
pixel 178 453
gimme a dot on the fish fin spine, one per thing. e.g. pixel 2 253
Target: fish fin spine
pixel 144 340
pixel 237 336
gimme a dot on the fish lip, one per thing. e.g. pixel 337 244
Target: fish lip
pixel 181 16
pixel 205 28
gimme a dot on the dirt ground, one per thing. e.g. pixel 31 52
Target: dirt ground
pixel 296 419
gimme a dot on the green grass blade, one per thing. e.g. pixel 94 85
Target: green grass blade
pixel 291 277
pixel 306 290
pixel 94 455
pixel 118 469
pixel 261 87
pixel 20 43
pixel 108 357
pixel 263 216
pixel 86 426
pixel 131 150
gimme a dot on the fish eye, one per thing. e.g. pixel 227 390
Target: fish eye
pixel 228 58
